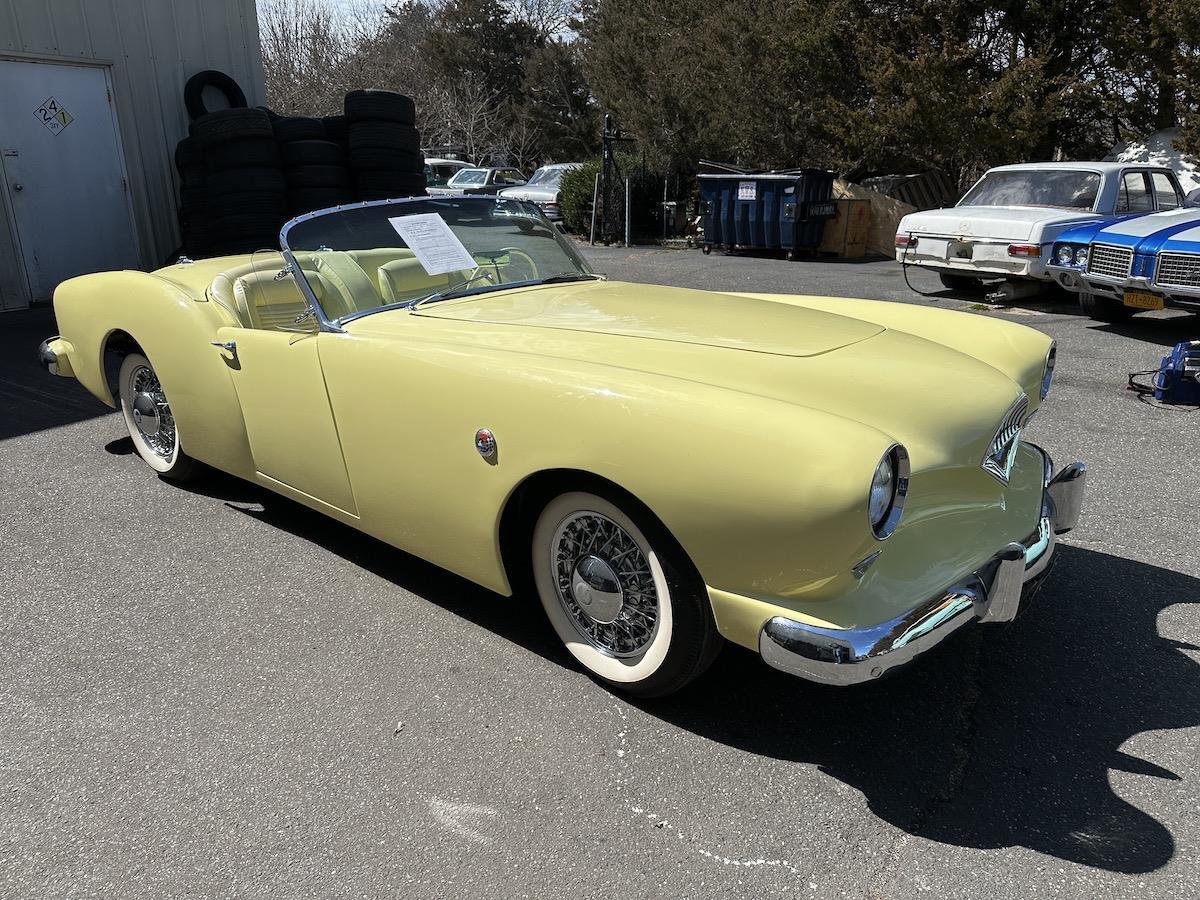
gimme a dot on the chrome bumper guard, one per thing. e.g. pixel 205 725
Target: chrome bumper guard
pixel 993 593
pixel 47 357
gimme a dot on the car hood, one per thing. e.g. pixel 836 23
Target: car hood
pixel 676 315
pixel 1006 223
pixel 536 193
pixel 1177 229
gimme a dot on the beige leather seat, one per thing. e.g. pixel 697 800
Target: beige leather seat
pixel 403 279
pixel 263 302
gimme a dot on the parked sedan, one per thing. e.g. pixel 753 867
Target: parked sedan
pixel 479 181
pixel 836 484
pixel 1122 267
pixel 544 189
pixel 1006 225
pixel 439 171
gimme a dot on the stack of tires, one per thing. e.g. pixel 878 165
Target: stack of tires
pixel 193 198
pixel 384 145
pixel 313 165
pixel 244 195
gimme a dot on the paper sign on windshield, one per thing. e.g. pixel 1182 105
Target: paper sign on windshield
pixel 435 246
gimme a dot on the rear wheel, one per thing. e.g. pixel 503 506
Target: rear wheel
pixel 621 596
pixel 1105 309
pixel 150 421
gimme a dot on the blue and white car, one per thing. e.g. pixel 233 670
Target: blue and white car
pixel 1006 224
pixel 1121 267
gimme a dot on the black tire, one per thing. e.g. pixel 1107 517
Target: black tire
pixel 271 114
pixel 308 199
pixel 236 181
pixel 298 128
pixel 337 128
pixel 963 284
pixel 250 224
pixel 366 158
pixel 188 157
pixel 300 177
pixel 1105 309
pixel 248 153
pixel 682 644
pixel 312 153
pixel 385 106
pixel 381 185
pixel 390 135
pixel 266 203
pixel 230 125
pixel 193 92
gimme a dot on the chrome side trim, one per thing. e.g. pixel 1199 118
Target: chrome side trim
pixel 1002 451
pixel 991 594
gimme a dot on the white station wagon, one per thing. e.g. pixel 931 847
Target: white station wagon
pixel 1006 224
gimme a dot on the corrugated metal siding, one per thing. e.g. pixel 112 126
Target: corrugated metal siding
pixel 153 47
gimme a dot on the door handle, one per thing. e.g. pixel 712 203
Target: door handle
pixel 229 346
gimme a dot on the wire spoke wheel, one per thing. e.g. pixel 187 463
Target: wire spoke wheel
pixel 604 584
pixel 150 420
pixel 620 593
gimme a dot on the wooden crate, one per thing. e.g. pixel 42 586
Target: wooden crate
pixel 846 234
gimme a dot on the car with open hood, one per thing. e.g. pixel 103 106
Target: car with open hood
pixel 836 484
pixel 1005 226
pixel 1119 268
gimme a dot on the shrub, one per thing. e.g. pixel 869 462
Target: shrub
pixel 576 190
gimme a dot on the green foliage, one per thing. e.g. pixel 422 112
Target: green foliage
pixel 576 189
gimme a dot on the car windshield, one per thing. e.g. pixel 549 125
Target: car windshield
pixel 469 176
pixel 388 254
pixel 547 177
pixel 1056 188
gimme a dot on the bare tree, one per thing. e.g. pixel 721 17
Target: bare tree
pixel 303 48
pixel 549 18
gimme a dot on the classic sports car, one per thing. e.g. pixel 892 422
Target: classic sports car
pixel 1004 226
pixel 1119 268
pixel 838 484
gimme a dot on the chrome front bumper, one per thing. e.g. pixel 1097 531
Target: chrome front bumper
pixel 49 358
pixel 993 593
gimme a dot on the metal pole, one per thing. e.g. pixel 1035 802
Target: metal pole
pixel 595 194
pixel 627 224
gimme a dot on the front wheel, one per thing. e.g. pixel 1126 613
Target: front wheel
pixel 1104 309
pixel 621 596
pixel 150 421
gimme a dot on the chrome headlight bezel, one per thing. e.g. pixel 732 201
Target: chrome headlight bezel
pixel 1081 257
pixel 1048 371
pixel 884 517
pixel 1065 255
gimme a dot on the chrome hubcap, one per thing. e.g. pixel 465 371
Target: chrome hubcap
pixel 596 589
pixel 604 584
pixel 151 413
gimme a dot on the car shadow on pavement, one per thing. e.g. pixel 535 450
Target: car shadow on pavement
pixel 1005 736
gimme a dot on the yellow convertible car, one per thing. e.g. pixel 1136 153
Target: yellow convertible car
pixel 838 484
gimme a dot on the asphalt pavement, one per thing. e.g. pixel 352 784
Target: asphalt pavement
pixel 215 692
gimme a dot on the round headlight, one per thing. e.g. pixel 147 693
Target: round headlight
pixel 1081 257
pixel 1048 372
pixel 889 487
pixel 1064 255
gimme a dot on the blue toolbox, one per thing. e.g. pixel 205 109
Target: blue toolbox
pixel 1178 378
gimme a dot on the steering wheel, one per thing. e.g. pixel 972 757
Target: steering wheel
pixel 531 271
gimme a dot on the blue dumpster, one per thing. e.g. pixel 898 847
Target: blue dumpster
pixel 772 211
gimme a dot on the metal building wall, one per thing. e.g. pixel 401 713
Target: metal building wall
pixel 152 46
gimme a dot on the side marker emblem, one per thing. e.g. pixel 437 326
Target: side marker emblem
pixel 485 443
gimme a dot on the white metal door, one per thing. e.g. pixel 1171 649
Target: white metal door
pixel 63 172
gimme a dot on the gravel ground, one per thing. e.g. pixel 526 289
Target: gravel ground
pixel 215 692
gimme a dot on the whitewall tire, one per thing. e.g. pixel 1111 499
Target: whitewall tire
pixel 149 419
pixel 621 597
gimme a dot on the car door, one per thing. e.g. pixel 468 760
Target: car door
pixel 275 364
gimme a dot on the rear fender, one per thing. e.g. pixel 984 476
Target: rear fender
pixel 174 329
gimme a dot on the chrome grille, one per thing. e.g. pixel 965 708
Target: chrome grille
pixel 1178 269
pixel 998 461
pixel 1115 262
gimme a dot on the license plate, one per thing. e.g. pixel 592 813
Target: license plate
pixel 1142 300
